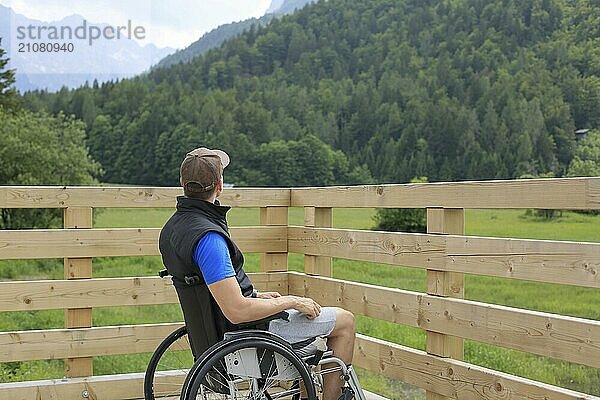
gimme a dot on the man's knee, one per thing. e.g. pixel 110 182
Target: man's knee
pixel 344 321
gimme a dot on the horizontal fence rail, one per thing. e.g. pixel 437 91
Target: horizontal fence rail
pixel 58 243
pixel 568 194
pixel 571 263
pixel 452 378
pixel 106 292
pixel 128 197
pixel 105 387
pixel 564 193
pixel 571 339
pixel 53 344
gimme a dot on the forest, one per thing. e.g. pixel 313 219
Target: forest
pixel 347 91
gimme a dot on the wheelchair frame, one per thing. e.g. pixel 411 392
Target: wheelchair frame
pixel 250 370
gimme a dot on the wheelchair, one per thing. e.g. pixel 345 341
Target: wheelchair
pixel 247 364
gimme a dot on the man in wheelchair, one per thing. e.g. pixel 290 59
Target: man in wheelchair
pixel 216 295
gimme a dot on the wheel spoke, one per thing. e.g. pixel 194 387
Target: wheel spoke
pixel 257 355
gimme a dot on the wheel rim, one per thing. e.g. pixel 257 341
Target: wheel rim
pixel 170 368
pixel 255 372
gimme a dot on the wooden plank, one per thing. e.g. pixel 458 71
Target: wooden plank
pixel 260 238
pixel 106 292
pixel 389 304
pixel 78 268
pixel 451 378
pixel 562 193
pixel 79 367
pixel 275 261
pixel 593 191
pixel 102 292
pixel 271 282
pixel 128 197
pixel 318 218
pixel 83 342
pixel 54 243
pixel 445 284
pixel 382 247
pixel 57 243
pixel 568 338
pixel 105 387
pixel 569 263
pixel 440 282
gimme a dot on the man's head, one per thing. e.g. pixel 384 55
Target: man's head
pixel 201 173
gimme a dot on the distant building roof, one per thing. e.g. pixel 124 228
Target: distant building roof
pixel 581 134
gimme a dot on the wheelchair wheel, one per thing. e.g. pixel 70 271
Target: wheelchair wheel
pixel 248 368
pixel 168 367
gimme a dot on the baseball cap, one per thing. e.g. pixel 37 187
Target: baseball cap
pixel 202 168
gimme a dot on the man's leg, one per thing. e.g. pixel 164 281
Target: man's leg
pixel 341 341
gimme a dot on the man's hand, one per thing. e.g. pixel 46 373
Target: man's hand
pixel 268 295
pixel 307 306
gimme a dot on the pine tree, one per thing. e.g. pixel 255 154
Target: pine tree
pixel 8 93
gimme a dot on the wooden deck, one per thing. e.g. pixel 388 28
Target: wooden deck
pixel 95 387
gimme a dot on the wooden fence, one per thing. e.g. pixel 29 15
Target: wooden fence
pixel 444 252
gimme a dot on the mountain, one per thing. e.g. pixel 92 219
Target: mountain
pixel 211 40
pixel 218 36
pixel 397 89
pixel 289 6
pixel 76 61
pixel 275 5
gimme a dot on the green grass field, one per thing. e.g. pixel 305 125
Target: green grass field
pixel 566 300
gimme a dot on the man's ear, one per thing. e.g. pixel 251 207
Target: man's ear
pixel 219 188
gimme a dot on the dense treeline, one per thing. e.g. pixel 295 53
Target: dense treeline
pixel 217 36
pixel 38 149
pixel 461 89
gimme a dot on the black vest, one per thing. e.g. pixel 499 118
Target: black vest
pixel 193 219
pixel 182 232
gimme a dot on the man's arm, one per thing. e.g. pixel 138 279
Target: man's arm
pixel 239 309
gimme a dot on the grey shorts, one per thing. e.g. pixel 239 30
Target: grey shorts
pixel 300 328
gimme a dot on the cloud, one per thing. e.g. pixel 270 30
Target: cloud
pixel 173 23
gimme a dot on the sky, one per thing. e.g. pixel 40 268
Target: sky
pixel 168 23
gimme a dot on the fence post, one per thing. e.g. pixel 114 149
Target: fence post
pixel 445 284
pixel 318 217
pixel 78 268
pixel 274 216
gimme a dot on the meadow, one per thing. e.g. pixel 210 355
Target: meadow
pixel 561 299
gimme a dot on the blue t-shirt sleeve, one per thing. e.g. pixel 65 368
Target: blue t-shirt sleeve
pixel 212 257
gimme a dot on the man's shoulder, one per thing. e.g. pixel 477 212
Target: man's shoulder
pixel 213 238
